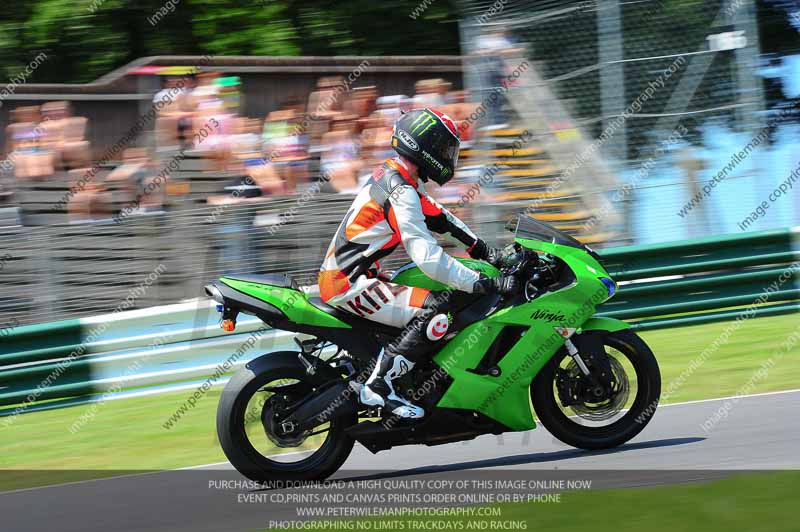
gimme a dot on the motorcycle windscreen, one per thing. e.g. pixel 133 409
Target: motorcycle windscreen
pixel 527 228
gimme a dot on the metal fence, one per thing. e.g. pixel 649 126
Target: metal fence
pixel 70 270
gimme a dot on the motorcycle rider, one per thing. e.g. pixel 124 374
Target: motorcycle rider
pixel 393 208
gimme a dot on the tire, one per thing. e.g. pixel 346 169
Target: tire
pixel 648 379
pixel 236 444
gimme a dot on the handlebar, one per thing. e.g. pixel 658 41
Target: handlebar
pixel 532 272
pixel 517 259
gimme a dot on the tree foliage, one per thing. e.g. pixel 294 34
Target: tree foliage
pixel 85 39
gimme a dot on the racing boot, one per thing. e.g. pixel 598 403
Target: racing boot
pixel 378 390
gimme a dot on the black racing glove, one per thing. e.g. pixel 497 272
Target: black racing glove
pixel 480 250
pixel 505 285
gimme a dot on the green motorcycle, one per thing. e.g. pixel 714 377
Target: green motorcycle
pixel 295 415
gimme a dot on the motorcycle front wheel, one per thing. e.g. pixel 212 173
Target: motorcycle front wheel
pixel 612 421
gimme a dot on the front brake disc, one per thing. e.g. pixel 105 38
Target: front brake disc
pixel 615 399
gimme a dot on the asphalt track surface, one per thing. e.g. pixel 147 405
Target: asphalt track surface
pixel 759 433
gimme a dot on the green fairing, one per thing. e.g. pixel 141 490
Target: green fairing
pixel 506 398
pixel 414 276
pixel 293 303
pixel 601 323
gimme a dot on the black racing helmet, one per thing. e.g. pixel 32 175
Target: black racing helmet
pixel 430 140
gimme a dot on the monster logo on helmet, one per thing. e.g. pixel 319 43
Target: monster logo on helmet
pixel 435 137
pixel 423 123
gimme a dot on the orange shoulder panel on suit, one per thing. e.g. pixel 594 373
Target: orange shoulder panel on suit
pixel 370 214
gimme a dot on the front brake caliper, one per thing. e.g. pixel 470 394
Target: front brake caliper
pixel 567 388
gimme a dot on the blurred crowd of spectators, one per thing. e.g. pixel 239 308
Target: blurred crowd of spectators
pixel 332 136
pixel 43 139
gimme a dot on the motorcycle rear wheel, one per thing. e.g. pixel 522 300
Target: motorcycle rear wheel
pixel 567 429
pixel 234 427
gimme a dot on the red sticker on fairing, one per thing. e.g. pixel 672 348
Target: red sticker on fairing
pixel 437 327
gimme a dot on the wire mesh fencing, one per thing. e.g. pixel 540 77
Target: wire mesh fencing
pixel 643 106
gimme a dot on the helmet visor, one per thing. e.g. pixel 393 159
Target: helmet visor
pixel 444 146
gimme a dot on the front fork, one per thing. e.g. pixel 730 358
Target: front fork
pixel 567 333
pixel 576 356
pixel 600 376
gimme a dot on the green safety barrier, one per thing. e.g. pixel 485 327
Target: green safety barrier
pixel 703 280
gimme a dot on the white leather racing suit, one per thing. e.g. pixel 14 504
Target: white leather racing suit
pixel 390 210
